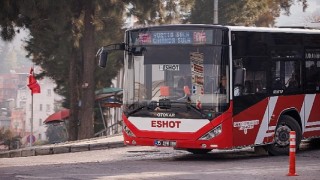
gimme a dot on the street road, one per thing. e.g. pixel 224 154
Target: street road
pixel 161 163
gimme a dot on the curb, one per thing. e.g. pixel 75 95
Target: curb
pixel 63 148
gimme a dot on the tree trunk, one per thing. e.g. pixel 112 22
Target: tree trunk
pixel 86 129
pixel 74 97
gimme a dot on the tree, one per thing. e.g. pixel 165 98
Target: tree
pixel 8 139
pixel 159 11
pixel 314 18
pixel 54 45
pixel 246 12
pixel 230 12
pixel 88 85
pixel 56 133
pixel 82 18
pixel 63 43
pixel 267 18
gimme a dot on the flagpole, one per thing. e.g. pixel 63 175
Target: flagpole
pixel 31 121
pixel 35 88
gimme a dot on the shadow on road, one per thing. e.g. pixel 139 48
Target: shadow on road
pixel 307 148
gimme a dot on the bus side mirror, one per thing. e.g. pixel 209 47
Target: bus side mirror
pixel 103 58
pixel 103 52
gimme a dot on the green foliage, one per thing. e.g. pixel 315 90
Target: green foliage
pixel 8 18
pixel 245 12
pixel 8 139
pixel 56 27
pixel 60 43
pixel 56 133
pixel 159 11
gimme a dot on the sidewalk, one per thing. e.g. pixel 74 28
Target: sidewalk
pixel 67 147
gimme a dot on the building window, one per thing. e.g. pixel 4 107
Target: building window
pixel 48 108
pixel 22 104
pixel 49 92
pixel 40 107
pixel 40 122
pixel 39 136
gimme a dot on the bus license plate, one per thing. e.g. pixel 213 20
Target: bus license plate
pixel 165 143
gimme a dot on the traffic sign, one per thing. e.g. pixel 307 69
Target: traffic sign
pixel 33 138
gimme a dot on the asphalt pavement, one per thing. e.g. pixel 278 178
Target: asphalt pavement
pixel 67 147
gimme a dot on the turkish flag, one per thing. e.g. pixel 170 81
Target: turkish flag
pixel 33 84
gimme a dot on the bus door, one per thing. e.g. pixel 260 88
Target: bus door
pixel 250 102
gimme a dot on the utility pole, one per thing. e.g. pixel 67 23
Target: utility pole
pixel 215 11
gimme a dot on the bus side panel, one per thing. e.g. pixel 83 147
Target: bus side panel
pixel 246 124
pixel 225 139
pixel 283 103
pixel 248 131
pixel 312 116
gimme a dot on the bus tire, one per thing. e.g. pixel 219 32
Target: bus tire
pixel 199 151
pixel 281 140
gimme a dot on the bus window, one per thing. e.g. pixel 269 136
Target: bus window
pixel 292 76
pixel 255 79
pixel 313 76
pixel 286 77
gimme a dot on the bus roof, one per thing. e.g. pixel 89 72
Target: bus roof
pixel 275 29
pixel 176 25
pixel 241 28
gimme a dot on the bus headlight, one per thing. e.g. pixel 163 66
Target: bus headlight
pixel 213 133
pixel 128 131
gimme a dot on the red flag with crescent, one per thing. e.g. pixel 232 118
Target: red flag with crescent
pixel 33 84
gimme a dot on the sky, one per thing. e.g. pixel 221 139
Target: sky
pixel 298 17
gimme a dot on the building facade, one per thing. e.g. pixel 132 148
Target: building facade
pixel 38 107
pixel 22 112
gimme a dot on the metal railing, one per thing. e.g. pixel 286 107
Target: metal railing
pixel 113 129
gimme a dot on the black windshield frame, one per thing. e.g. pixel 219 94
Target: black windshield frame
pixel 154 55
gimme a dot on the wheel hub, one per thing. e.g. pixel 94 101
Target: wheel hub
pixel 282 135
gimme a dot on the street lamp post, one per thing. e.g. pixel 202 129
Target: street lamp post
pixel 215 11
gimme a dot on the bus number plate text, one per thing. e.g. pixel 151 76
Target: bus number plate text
pixel 165 143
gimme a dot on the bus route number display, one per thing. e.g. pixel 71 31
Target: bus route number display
pixel 175 37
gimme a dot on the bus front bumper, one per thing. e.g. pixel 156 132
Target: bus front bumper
pixel 176 144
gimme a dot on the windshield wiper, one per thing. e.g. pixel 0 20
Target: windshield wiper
pixel 137 106
pixel 135 110
pixel 190 106
pixel 166 104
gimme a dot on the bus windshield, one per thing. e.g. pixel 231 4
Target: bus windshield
pixel 189 81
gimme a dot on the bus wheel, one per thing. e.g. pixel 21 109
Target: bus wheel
pixel 281 141
pixel 199 151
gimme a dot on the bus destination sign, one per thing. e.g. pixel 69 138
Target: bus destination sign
pixel 175 37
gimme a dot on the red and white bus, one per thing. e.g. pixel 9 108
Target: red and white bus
pixel 204 87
